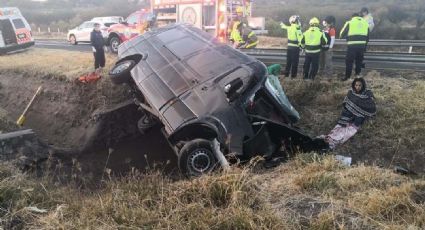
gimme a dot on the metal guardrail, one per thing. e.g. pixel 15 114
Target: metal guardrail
pixel 376 60
pixel 382 42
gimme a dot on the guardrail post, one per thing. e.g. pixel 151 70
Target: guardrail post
pixel 410 49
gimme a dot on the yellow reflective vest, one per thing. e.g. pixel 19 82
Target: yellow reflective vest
pixel 356 30
pixel 295 34
pixel 313 40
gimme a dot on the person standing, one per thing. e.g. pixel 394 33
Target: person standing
pixel 98 43
pixel 356 31
pixel 249 37
pixel 295 36
pixel 364 12
pixel 326 66
pixel 312 42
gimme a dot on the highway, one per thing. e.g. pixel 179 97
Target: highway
pixel 374 60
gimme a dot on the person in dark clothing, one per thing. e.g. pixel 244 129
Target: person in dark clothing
pixel 357 33
pixel 358 106
pixel 98 43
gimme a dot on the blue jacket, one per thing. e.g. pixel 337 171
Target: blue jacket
pixel 97 40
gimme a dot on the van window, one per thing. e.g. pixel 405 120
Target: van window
pixel 18 23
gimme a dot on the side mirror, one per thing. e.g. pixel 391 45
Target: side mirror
pixel 231 89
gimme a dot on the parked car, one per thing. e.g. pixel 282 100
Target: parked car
pixel 82 32
pixel 108 21
pixel 212 100
pixel 135 24
pixel 15 32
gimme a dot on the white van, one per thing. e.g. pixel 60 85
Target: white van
pixel 15 32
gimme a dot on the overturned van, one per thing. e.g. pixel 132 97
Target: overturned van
pixel 212 100
pixel 15 32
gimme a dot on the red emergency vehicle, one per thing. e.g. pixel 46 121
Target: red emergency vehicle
pixel 15 32
pixel 213 16
pixel 135 24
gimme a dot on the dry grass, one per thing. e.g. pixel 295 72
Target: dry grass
pixel 327 195
pixel 228 201
pixel 59 63
pixel 310 192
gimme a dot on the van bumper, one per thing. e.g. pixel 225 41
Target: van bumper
pixel 7 49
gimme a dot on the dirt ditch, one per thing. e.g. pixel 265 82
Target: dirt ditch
pixel 93 124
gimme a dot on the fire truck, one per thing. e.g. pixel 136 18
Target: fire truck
pixel 15 32
pixel 213 16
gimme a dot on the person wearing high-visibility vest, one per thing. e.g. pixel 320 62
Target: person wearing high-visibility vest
pixel 356 31
pixel 244 37
pixel 312 41
pixel 250 39
pixel 235 35
pixel 295 36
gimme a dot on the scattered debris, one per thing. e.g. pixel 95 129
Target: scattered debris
pixel 36 210
pixel 404 171
pixel 344 160
pixel 89 78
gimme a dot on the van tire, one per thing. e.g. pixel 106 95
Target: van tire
pixel 197 158
pixel 73 40
pixel 120 73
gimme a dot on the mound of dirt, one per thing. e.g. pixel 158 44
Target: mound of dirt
pixel 64 113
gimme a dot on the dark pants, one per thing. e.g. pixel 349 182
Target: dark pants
pixel 354 54
pixel 292 59
pixel 99 58
pixel 311 65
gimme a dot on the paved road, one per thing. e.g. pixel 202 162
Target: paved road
pixel 338 61
pixel 63 45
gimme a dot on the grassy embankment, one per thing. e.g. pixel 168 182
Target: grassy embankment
pixel 67 65
pixel 308 192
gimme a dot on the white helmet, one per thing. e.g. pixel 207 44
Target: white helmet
pixel 294 19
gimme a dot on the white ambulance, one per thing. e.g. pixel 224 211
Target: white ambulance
pixel 15 32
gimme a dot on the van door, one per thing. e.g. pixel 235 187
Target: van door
pixel 23 33
pixel 8 32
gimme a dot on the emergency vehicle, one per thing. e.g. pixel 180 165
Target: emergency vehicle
pixel 213 16
pixel 15 32
pixel 135 24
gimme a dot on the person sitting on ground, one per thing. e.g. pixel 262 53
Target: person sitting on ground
pixel 359 105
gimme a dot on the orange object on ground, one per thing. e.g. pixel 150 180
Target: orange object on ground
pixel 89 78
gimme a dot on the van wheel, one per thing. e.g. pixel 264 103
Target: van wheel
pixel 73 40
pixel 114 44
pixel 197 158
pixel 120 73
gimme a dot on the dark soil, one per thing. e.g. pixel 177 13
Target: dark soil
pixel 93 125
